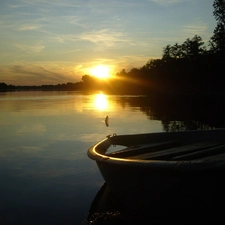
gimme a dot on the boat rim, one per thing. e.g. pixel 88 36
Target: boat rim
pixel 94 154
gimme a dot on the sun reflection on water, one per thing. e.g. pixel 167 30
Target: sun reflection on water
pixel 101 102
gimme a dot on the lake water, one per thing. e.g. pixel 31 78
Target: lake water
pixel 46 176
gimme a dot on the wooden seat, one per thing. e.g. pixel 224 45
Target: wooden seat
pixel 213 151
pixel 176 152
pixel 132 151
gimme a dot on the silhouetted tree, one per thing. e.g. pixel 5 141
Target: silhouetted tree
pixel 193 48
pixel 190 49
pixel 217 41
pixel 172 52
pixel 167 53
pixel 3 87
pixel 184 68
pixel 122 73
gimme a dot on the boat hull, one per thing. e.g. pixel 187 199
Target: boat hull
pixel 155 177
pixel 124 174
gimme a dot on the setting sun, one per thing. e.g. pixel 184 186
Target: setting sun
pixel 100 71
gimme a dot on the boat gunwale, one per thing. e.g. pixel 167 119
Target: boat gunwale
pixel 97 151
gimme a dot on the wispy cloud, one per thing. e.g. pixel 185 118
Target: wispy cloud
pixel 13 6
pixel 35 74
pixel 195 28
pixel 35 70
pixel 59 3
pixel 165 2
pixel 30 48
pixel 47 41
pixel 104 37
pixel 25 27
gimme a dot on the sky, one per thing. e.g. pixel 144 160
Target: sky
pixel 59 41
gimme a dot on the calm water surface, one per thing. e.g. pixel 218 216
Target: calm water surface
pixel 46 176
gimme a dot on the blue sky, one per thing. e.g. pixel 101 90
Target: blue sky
pixel 58 41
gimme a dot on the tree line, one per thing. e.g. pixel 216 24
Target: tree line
pixel 49 87
pixel 190 67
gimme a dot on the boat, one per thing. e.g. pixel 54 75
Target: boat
pixel 185 161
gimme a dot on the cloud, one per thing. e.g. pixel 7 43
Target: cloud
pixel 103 37
pixel 196 28
pixel 30 48
pixel 37 74
pixel 59 3
pixel 75 20
pixel 26 27
pixel 35 70
pixel 165 2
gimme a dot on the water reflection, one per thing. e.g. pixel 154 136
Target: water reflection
pixel 101 102
pixel 181 112
pixel 45 137
pixel 187 206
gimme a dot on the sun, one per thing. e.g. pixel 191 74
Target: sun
pixel 100 71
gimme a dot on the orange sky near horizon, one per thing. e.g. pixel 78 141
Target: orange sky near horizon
pixel 56 41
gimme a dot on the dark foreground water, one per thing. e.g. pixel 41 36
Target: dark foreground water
pixel 45 175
